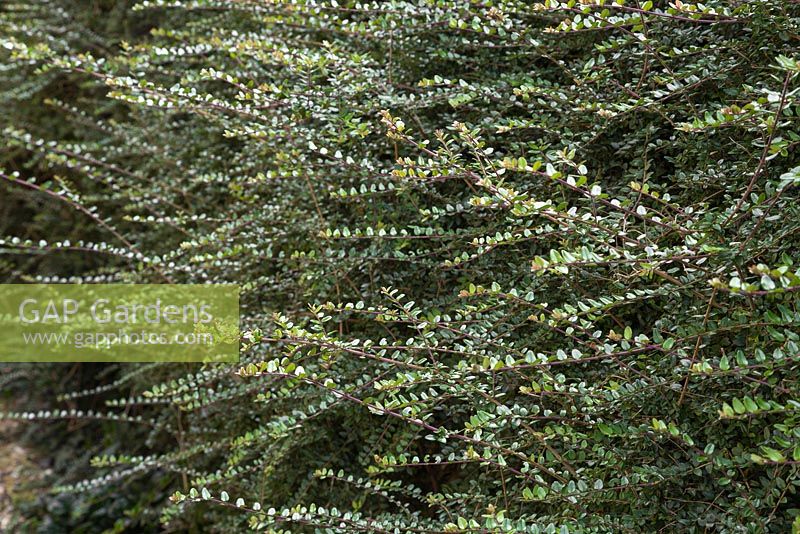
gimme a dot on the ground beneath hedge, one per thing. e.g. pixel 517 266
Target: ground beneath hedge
pixel 18 468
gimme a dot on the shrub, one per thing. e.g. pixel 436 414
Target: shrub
pixel 505 266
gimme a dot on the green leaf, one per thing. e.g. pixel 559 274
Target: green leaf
pixel 605 429
pixel 773 455
pixel 767 282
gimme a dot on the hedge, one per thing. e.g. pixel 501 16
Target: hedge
pixel 505 266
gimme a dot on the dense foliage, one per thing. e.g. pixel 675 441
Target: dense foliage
pixel 505 266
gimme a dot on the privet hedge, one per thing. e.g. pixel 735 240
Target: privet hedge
pixel 506 266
